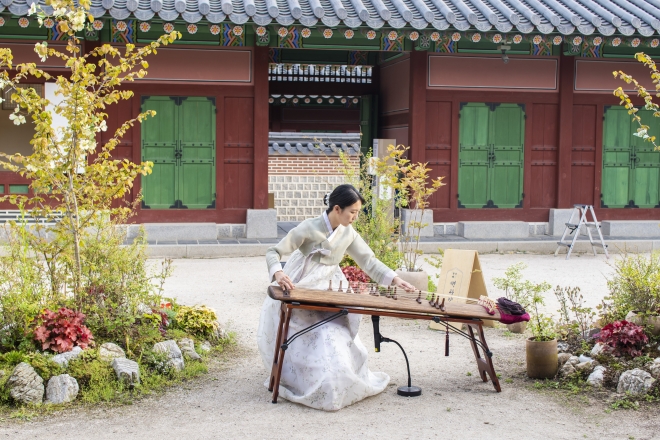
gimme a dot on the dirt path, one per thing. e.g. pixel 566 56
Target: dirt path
pixel 233 402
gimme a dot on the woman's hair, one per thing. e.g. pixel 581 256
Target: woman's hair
pixel 342 196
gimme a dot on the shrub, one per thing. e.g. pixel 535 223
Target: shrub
pixel 625 338
pixel 62 330
pixel 635 286
pixel 575 319
pixel 200 321
pixel 516 288
pixel 44 365
pixel 355 274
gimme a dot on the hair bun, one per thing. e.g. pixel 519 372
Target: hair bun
pixel 326 199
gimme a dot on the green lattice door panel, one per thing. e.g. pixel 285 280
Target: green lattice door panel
pixel 491 140
pixel 197 146
pixel 160 136
pixel 631 167
pixel 507 133
pixel 474 155
pixel 180 140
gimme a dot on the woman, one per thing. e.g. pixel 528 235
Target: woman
pixel 327 367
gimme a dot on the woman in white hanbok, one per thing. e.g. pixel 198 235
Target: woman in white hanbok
pixel 325 368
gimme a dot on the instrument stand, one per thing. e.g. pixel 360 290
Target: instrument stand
pixel 409 391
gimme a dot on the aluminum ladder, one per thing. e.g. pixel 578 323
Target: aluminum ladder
pixel 581 211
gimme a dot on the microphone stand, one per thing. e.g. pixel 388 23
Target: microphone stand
pixel 409 391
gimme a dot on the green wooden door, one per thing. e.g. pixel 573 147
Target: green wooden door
pixel 180 141
pixel 507 134
pixel 491 147
pixel 631 167
pixel 474 155
pixel 160 137
pixel 197 146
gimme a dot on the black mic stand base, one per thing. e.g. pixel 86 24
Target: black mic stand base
pixel 409 391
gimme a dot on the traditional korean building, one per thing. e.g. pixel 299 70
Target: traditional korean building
pixel 510 100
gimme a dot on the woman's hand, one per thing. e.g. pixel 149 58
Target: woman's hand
pixel 283 280
pixel 398 282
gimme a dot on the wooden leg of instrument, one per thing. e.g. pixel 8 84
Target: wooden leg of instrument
pixel 282 351
pixel 278 343
pixel 485 364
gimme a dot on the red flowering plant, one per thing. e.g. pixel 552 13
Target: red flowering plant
pixel 625 338
pixel 62 330
pixel 355 276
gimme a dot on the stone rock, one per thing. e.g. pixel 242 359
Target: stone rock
pixel 173 352
pixel 562 347
pixel 110 351
pixel 574 360
pixel 585 367
pixel 188 348
pixel 562 358
pixel 25 385
pixel 597 376
pixel 126 370
pixel 583 358
pixel 220 333
pixel 205 346
pixel 654 367
pixel 567 370
pixel 61 389
pixel 599 349
pixel 634 382
pixel 63 359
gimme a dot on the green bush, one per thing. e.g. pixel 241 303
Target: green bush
pixel 44 365
pixel 635 286
pixel 200 321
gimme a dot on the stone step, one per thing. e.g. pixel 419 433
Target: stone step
pixel 492 230
pixel 631 228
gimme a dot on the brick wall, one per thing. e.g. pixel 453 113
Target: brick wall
pixel 300 183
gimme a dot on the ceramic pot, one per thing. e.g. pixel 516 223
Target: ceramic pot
pixel 517 327
pixel 418 279
pixel 653 321
pixel 541 359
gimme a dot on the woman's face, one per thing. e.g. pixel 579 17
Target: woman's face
pixel 349 214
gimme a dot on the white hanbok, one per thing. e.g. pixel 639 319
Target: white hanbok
pixel 325 368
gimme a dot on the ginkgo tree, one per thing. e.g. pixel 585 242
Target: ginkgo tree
pixel 72 176
pixel 642 130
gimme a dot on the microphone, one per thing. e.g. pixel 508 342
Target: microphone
pixel 375 320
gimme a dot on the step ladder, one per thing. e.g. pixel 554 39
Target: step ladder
pixel 581 211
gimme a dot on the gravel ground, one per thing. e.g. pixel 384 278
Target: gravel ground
pixel 232 401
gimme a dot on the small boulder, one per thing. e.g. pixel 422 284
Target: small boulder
pixel 188 348
pixel 205 346
pixel 562 358
pixel 635 382
pixel 173 352
pixel 584 367
pixel 567 370
pixel 574 360
pixel 110 351
pixel 61 389
pixel 654 368
pixel 599 349
pixel 597 376
pixel 562 347
pixel 63 359
pixel 126 370
pixel 25 385
pixel 583 358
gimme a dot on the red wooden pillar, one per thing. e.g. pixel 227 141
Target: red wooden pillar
pixel 566 81
pixel 417 106
pixel 260 75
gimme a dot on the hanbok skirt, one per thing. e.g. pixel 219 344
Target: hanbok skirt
pixel 325 368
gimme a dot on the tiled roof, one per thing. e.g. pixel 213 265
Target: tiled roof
pixel 312 144
pixel 546 16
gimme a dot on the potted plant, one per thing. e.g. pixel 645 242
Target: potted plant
pixel 541 347
pixel 412 188
pixel 635 292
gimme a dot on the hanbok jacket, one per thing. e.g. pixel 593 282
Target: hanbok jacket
pixel 311 237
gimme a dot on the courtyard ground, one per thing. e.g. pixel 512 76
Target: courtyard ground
pixel 232 402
